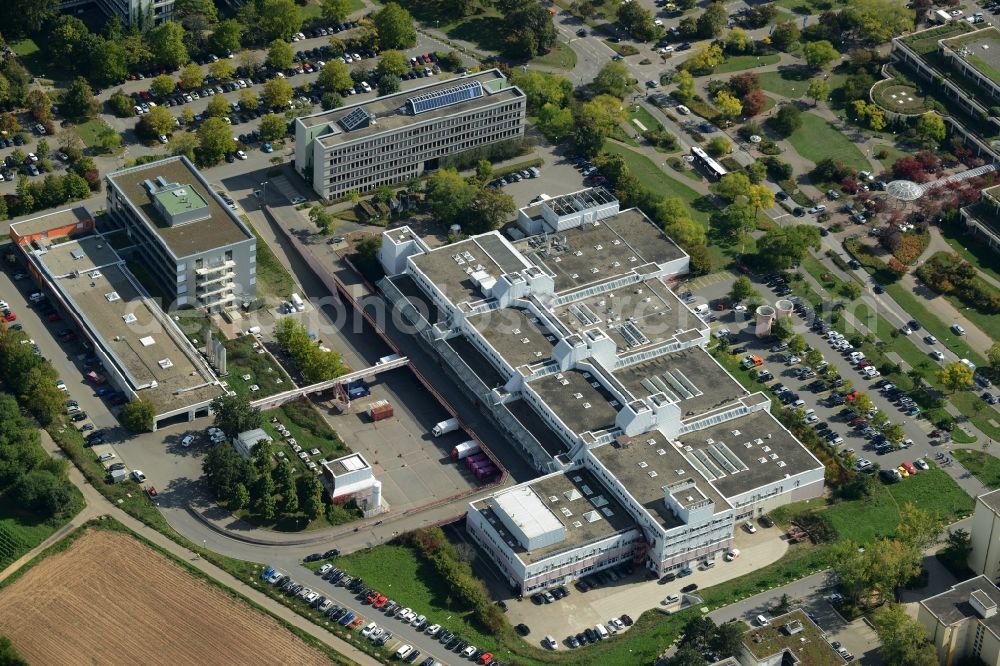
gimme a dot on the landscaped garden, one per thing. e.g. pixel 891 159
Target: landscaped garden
pixel 899 97
pixel 817 139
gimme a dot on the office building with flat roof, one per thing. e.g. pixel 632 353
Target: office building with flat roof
pixel 141 350
pixel 569 336
pixel 189 241
pixel 963 623
pixel 391 139
pixel 138 13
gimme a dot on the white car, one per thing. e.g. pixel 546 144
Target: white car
pixel 937 355
pixel 762 621
pixel 367 631
pixel 433 630
pixel 548 642
pixel 61 385
pixel 617 624
pixel 749 527
pixel 683 110
pixel 671 599
pixel 164 139
pixel 187 441
pixel 241 155
pixel 417 620
pixel 138 475
pixel 920 463
pixel 297 200
pixel 469 651
pixel 323 569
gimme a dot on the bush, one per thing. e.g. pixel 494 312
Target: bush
pixel 950 274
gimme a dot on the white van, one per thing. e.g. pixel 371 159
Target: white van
pixel 701 309
pixel 602 631
pixel 404 650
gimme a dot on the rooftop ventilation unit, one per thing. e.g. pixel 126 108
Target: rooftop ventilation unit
pixel 165 363
pixel 112 296
pixel 128 318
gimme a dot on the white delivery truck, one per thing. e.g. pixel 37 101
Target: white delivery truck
pixel 449 425
pixel 464 450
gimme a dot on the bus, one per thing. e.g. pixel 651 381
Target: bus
pixel 712 169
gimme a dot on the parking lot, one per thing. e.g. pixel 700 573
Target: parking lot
pixel 634 593
pixel 829 413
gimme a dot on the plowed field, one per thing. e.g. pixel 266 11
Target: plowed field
pixel 109 599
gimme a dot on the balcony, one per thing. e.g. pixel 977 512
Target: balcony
pixel 217 277
pixel 208 270
pixel 201 292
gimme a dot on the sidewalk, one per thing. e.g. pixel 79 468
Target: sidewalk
pixel 97 505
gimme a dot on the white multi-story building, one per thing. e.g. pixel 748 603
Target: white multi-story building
pixel 351 479
pixel 392 139
pixel 196 247
pixel 141 13
pixel 570 338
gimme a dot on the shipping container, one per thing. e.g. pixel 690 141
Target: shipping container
pixel 486 473
pixel 379 410
pixel 473 459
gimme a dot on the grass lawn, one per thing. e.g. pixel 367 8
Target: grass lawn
pixel 864 520
pixel 939 329
pixel 309 429
pixel 243 358
pixel 636 112
pixel 809 6
pixel 480 29
pixel 739 63
pixel 89 132
pixel 651 176
pixel 817 139
pixel 313 9
pixel 984 466
pixel 893 154
pixel 561 56
pixel 35 60
pixel 273 278
pixel 20 531
pixel 973 250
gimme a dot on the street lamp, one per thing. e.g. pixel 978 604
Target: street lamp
pixel 263 193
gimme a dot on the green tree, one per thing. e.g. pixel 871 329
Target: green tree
pixel 785 36
pixel 594 121
pixel 280 55
pixel 21 17
pixel 42 492
pixel 787 246
pixel 249 100
pixel 637 21
pixel 326 222
pixel 958 546
pixel 224 470
pixel 797 344
pixel 813 358
pixel 878 21
pixel 930 128
pixel 310 496
pixel 760 197
pixel 286 488
pixel 904 640
pixel 166 43
pixel 162 85
pixel 278 19
pixel 395 27
pixel 611 80
pixel 713 20
pixel 542 88
pixel 742 290
pixel 449 197
pixel 227 36
pixel 819 54
pixel 719 146
pixel 706 60
pixel 733 186
pixel 272 127
pixel 67 40
pixel 217 107
pixel 203 11
pixel 267 506
pixel 490 209
pixel 392 63
pixel 8 654
pixel 817 89
pixel 685 85
pixel 222 69
pixel 993 355
pixel 39 105
pixel 787 119
pixel 527 29
pixel 387 85
pixel 955 376
pixel 158 121
pixel 335 11
pixel 239 496
pixel 555 123
pixel 138 415
pixel 738 41
pixel 107 62
pixel 192 76
pixel 277 93
pixel 894 433
pixel 234 414
pixel 734 221
pixel 484 171
pixel 42 149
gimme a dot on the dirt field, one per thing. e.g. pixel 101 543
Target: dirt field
pixel 109 599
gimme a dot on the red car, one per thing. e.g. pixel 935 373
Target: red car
pixel 151 491
pixel 484 658
pixel 9 316
pixel 54 316
pixel 381 601
pixel 852 395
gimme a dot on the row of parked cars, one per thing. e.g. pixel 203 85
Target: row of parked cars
pixel 599 631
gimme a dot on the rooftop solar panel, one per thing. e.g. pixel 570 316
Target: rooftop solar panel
pixel 446 97
pixel 355 119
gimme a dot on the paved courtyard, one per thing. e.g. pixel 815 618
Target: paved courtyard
pixel 636 594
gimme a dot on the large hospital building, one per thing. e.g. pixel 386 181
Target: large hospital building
pixel 568 336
